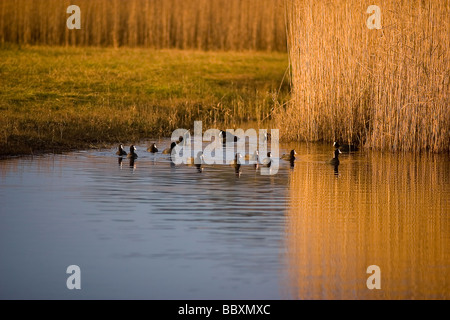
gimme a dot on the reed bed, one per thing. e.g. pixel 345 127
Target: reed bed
pixel 386 89
pixel 181 24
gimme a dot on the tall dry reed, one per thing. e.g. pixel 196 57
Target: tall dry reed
pixel 387 89
pixel 182 24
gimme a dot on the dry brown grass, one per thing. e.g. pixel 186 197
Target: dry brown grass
pixel 181 24
pixel 387 89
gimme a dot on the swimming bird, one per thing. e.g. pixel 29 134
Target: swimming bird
pixel 335 160
pixel 169 150
pixel 132 154
pixel 180 139
pixel 289 157
pixel 152 148
pixel 345 147
pixel 267 136
pixel 267 162
pixel 121 152
pixel 227 136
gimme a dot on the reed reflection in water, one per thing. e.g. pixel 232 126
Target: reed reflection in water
pixel 380 209
pixel 151 230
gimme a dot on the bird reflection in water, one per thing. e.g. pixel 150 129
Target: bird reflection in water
pixel 133 163
pixel 236 163
pixel 292 163
pixel 198 162
pixel 336 170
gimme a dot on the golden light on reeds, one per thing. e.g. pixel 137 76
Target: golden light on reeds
pixel 181 24
pixel 385 210
pixel 388 88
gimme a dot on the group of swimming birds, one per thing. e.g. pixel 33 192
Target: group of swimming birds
pixel 236 163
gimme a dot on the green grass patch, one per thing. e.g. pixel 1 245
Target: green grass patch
pixel 58 98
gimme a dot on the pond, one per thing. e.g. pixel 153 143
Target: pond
pixel 153 230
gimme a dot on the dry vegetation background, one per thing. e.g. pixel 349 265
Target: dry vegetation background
pixel 388 88
pixel 385 89
pixel 182 24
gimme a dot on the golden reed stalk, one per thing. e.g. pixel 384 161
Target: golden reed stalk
pixel 387 89
pixel 182 24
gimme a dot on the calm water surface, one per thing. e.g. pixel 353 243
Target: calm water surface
pixel 157 231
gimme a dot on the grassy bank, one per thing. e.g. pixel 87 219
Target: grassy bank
pixel 54 98
pixel 387 89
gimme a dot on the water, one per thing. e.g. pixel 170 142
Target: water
pixel 157 231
